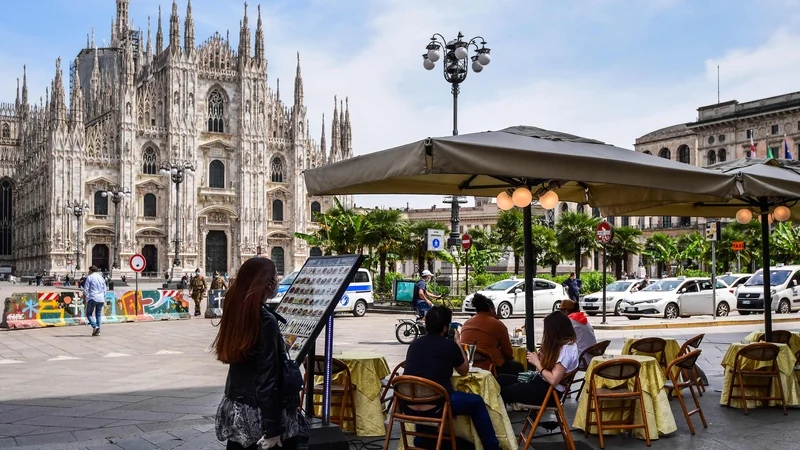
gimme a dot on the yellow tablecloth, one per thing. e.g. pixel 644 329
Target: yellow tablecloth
pixel 671 351
pixel 786 363
pixel 521 355
pixel 484 384
pixel 794 341
pixel 656 402
pixel 367 369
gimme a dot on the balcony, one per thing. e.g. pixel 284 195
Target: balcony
pixel 149 221
pixel 217 194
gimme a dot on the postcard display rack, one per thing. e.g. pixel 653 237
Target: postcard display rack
pixel 308 307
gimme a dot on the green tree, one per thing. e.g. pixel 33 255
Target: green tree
pixel 694 247
pixel 385 230
pixel 663 250
pixel 624 243
pixel 340 232
pixel 414 246
pixel 750 234
pixel 543 240
pixel 577 236
pixel 509 224
pixel 785 243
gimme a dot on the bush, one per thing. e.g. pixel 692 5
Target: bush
pixel 696 273
pixel 390 277
pixel 481 280
pixel 593 281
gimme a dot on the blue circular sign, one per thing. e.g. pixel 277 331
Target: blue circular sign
pixel 436 243
pixel 344 300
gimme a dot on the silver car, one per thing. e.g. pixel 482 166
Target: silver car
pixel 592 304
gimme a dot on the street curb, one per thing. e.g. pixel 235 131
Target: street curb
pixel 723 323
pixel 405 311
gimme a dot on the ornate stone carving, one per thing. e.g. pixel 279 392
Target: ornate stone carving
pixel 217 217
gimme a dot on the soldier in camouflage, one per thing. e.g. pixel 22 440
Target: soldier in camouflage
pixel 198 288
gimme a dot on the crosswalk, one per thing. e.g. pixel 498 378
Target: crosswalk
pixel 7 361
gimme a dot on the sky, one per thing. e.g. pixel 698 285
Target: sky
pixel 611 70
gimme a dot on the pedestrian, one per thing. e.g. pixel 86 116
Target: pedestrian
pixel 66 280
pixel 94 291
pixel 166 276
pixel 38 279
pixel 198 286
pixel 218 282
pixel 184 282
pixel 573 286
pixel 259 409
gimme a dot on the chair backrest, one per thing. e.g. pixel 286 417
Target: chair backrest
pixel 319 366
pixel 781 337
pixel 566 381
pixel 418 391
pixel 481 355
pixel 618 369
pixel 395 373
pixel 761 351
pixel 686 362
pixel 691 343
pixel 650 345
pixel 596 350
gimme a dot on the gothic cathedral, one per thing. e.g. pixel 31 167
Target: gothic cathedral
pixel 136 108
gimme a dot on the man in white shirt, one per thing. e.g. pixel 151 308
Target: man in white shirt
pixel 94 293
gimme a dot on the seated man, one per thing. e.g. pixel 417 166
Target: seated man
pixel 491 336
pixel 422 298
pixel 434 357
pixel 583 330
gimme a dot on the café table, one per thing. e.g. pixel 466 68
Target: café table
pixel 482 383
pixel 367 369
pixel 786 363
pixel 670 351
pixel 794 341
pixel 521 355
pixel 660 420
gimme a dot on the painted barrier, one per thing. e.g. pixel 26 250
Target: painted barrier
pixel 53 309
pixel 215 299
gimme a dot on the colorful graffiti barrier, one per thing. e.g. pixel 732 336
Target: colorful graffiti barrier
pixel 52 309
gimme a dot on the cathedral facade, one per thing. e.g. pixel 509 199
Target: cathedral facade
pixel 140 105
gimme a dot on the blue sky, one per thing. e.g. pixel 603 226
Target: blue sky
pixel 607 69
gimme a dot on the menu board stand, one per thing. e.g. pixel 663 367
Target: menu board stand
pixel 326 398
pixel 310 382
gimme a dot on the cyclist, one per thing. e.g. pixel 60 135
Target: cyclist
pixel 422 298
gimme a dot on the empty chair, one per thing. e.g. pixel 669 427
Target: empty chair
pixel 616 370
pixel 342 390
pixel 685 363
pixel 656 347
pixel 535 413
pixel 694 374
pixel 420 402
pixel 760 352
pixel 598 349
pixel 778 337
pixel 386 390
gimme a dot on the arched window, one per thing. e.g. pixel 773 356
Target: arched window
pixel 216 110
pixel 664 153
pixel 722 155
pixel 626 221
pixel 277 170
pixel 6 217
pixel 100 204
pixel 595 212
pixel 6 131
pixel 647 152
pixel 277 258
pixel 580 208
pixel 712 157
pixel 149 205
pixel 315 251
pixel 564 207
pixel 683 154
pixel 149 161
pixel 315 209
pixel 277 211
pixel 216 174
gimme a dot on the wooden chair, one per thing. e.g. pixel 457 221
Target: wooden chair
pixel 386 397
pixel 342 392
pixel 583 363
pixel 652 346
pixel 535 413
pixel 778 337
pixel 694 374
pixel 482 356
pixel 762 352
pixel 685 363
pixel 617 370
pixel 415 391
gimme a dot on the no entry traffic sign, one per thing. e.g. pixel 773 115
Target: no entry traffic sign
pixel 605 232
pixel 138 263
pixel 466 241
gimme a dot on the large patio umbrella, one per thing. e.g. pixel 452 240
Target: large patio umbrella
pixel 764 186
pixel 540 161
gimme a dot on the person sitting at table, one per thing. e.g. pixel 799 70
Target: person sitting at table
pixel 490 335
pixel 558 356
pixel 434 357
pixel 580 323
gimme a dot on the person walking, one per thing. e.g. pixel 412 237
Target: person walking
pixel 198 288
pixel 259 409
pixel 573 286
pixel 94 291
pixel 218 283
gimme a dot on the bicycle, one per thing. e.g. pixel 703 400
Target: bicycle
pixel 408 330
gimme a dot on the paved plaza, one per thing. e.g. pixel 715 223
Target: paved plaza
pixel 156 385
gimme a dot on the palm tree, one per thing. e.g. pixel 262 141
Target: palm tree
pixel 662 249
pixel 577 236
pixel 509 225
pixel 786 242
pixel 414 245
pixel 750 234
pixel 694 247
pixel 340 232
pixel 543 240
pixel 385 229
pixel 624 243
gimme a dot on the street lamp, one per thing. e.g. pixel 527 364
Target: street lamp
pixel 176 170
pixel 116 194
pixel 455 69
pixel 77 208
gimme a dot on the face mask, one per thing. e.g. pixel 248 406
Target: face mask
pixel 197 273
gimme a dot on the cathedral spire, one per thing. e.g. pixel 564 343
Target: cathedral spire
pixel 298 85
pixel 336 138
pixel 347 148
pixel 159 34
pixel 24 86
pixel 58 108
pixel 122 18
pixel 174 30
pixel 188 39
pixel 278 91
pixel 149 51
pixel 93 46
pixel 322 143
pixel 259 39
pixel 94 85
pixel 244 38
pixel 342 145
pixel 76 101
pixel 17 102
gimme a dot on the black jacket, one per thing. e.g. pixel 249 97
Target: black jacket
pixel 257 381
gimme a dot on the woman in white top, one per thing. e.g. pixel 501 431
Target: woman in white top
pixel 558 356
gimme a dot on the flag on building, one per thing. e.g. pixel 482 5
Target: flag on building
pixel 787 154
pixel 752 146
pixel 769 149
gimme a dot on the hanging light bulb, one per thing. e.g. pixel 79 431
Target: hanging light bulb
pixel 549 200
pixel 522 197
pixel 744 216
pixel 782 213
pixel 769 218
pixel 504 201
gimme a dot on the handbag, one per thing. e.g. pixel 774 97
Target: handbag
pixel 290 377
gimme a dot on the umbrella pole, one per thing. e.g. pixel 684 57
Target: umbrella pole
pixel 528 247
pixel 765 271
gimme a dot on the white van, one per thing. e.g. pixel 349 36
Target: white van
pixel 356 299
pixel 784 285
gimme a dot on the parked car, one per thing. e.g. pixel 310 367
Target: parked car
pixel 508 297
pixel 356 299
pixel 734 280
pixel 615 292
pixel 784 282
pixel 671 298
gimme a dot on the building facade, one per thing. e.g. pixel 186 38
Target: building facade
pixel 137 106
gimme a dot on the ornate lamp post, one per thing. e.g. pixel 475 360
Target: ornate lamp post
pixel 77 208
pixel 177 170
pixel 455 68
pixel 116 193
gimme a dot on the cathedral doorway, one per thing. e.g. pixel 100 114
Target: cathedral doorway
pixel 100 256
pixel 150 253
pixel 216 252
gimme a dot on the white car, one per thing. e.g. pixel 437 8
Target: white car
pixel 615 292
pixel 784 285
pixel 671 298
pixel 509 297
